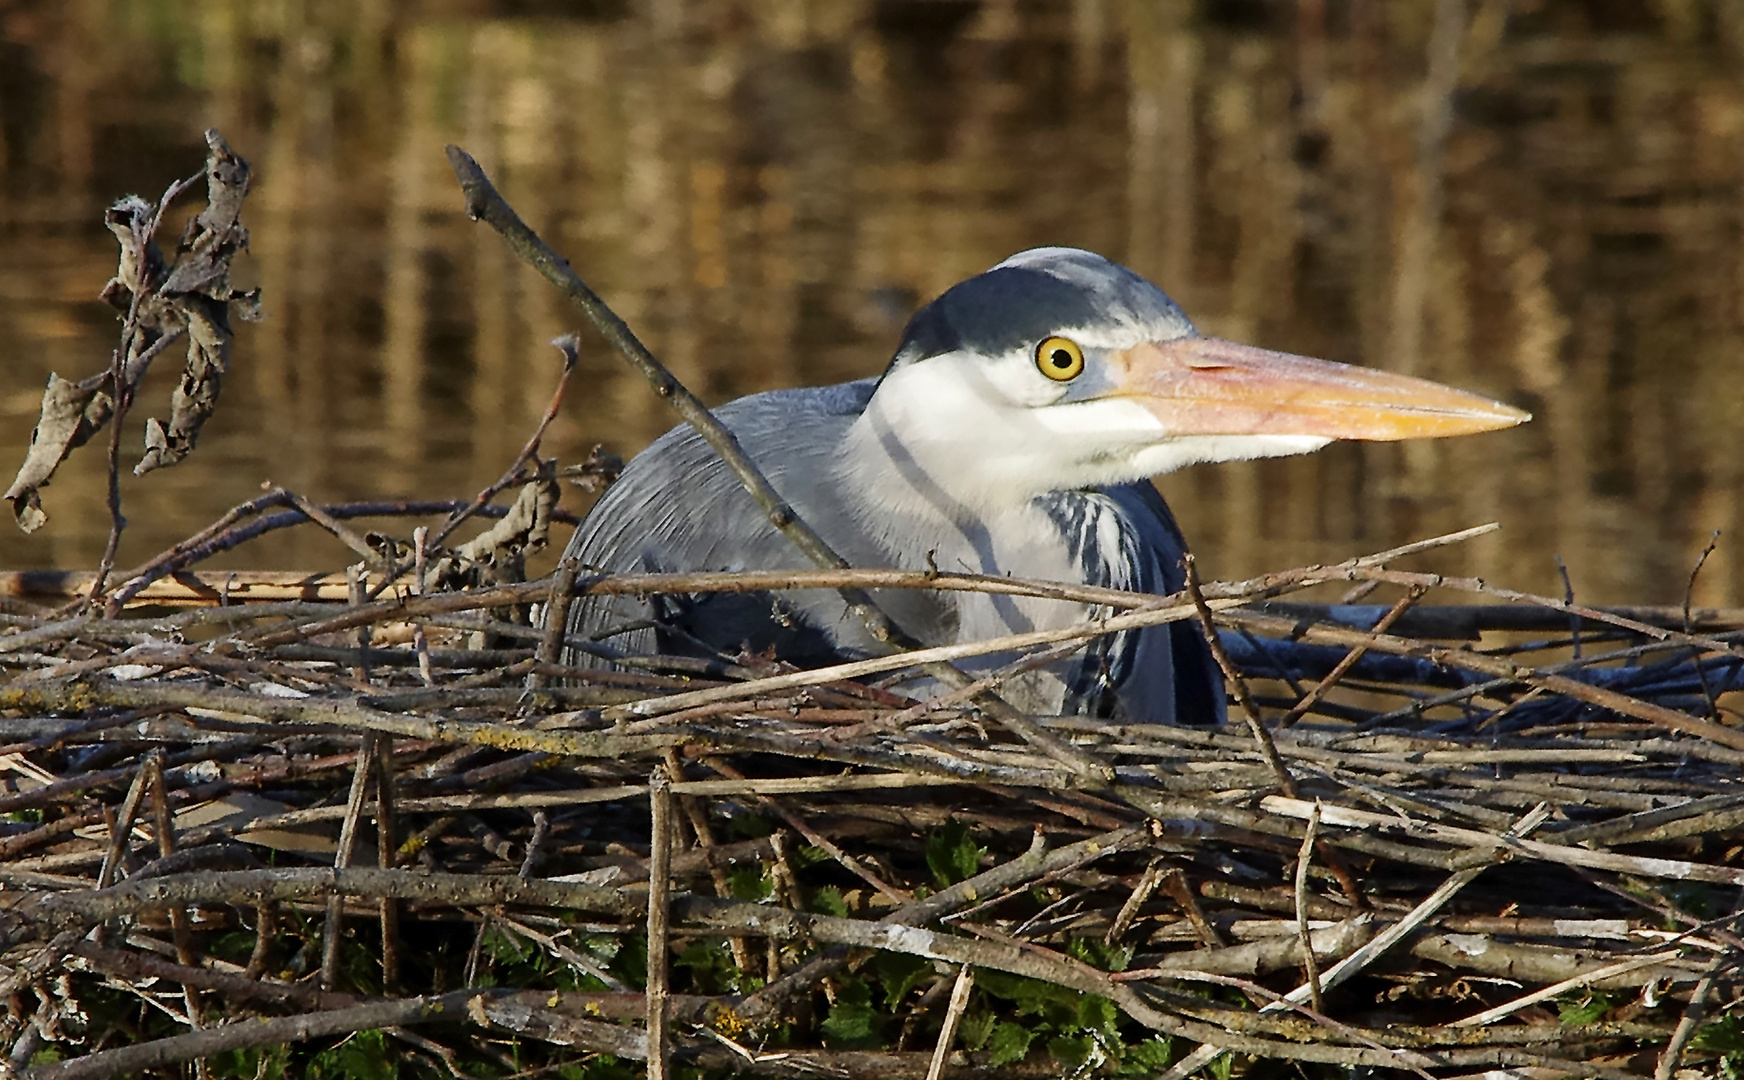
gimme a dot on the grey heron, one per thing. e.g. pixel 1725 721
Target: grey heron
pixel 1015 432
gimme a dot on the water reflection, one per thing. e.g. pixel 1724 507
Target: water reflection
pixel 1540 200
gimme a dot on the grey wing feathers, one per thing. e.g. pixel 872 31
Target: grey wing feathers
pixel 1199 690
pixel 1125 538
pixel 677 507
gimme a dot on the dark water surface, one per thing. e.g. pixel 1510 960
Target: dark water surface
pixel 1542 200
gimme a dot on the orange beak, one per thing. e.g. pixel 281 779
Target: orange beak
pixel 1209 386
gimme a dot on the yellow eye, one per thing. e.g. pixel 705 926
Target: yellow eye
pixel 1060 359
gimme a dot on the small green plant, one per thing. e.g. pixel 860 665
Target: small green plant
pixel 1010 1043
pixel 1578 1010
pixel 1725 1037
pixel 853 1022
pixel 364 1056
pixel 952 854
pixel 751 883
pixel 829 901
pixel 1147 1058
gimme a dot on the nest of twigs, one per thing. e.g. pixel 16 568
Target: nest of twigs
pixel 345 826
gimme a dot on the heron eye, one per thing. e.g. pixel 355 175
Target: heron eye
pixel 1060 359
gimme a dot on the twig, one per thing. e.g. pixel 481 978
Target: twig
pixel 705 845
pixel 659 900
pixel 1320 689
pixel 164 827
pixel 1691 1019
pixel 1670 719
pixel 112 463
pixel 1156 616
pixel 333 928
pixel 223 985
pixel 570 346
pixel 147 277
pixel 346 536
pixel 1574 621
pixel 140 1057
pixel 1129 910
pixel 420 642
pixel 183 552
pixel 1688 592
pixel 231 530
pixel 120 833
pixel 963 694
pixel 354 586
pixel 1237 685
pixel 556 619
pixel 1587 978
pixel 1412 1061
pixel 1174 882
pixel 812 836
pixel 959 1004
pixel 536 843
pixel 1516 846
pixel 387 844
pixel 1304 857
pixel 1030 866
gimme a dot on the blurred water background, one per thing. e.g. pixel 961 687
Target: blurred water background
pixel 1542 200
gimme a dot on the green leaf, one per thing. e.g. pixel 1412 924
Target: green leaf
pixel 899 972
pixel 1031 995
pixel 631 963
pixel 235 945
pixel 1694 898
pixel 952 855
pixel 751 883
pixel 852 1020
pixel 505 948
pixel 1723 1036
pixel 711 966
pixel 363 1056
pixel 604 1067
pixel 1578 1011
pixel 268 1063
pixel 1010 1043
pixel 1098 1014
pixel 975 1030
pixel 748 827
pixel 1148 1058
pixel 1098 955
pixel 1222 1066
pixel 829 901
pixel 1071 1050
pixel 602 947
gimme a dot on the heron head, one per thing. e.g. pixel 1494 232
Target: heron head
pixel 1059 369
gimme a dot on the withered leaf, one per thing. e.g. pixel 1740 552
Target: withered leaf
pixel 71 413
pixel 498 555
pixel 192 297
pixel 198 297
pixel 196 393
